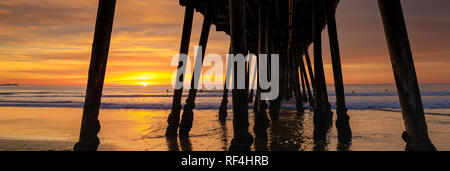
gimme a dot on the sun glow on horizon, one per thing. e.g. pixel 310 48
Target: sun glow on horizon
pixel 144 41
pixel 145 84
pixel 140 78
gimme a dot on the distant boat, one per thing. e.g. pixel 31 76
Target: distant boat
pixel 9 84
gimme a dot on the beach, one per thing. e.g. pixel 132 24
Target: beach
pixel 57 129
pixel 42 118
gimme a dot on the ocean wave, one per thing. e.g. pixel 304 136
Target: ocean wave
pixel 125 96
pixel 44 102
pixel 109 105
pixel 208 106
pixel 437 93
pixel 37 93
pixel 200 94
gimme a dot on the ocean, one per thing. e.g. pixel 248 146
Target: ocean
pixel 160 97
pixel 134 118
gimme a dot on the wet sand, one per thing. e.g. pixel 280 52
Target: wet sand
pixel 57 129
pixel 43 145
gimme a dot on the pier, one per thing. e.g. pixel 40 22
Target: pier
pixel 285 27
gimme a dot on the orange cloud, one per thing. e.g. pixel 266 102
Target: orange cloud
pixel 49 42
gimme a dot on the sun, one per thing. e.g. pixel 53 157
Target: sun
pixel 145 84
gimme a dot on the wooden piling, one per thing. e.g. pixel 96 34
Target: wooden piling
pixel 275 105
pixel 90 125
pixel 302 79
pixel 293 74
pixel 251 96
pixel 342 122
pixel 322 113
pixel 416 134
pixel 224 104
pixel 261 120
pixel 305 76
pixel 310 69
pixel 174 116
pixel 295 84
pixel 242 139
pixel 188 114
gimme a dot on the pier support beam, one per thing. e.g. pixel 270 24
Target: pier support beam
pixel 310 69
pixel 416 135
pixel 322 113
pixel 275 105
pixel 90 125
pixel 293 74
pixel 224 104
pixel 261 120
pixel 188 114
pixel 295 84
pixel 342 122
pixel 302 79
pixel 242 139
pixel 174 116
pixel 305 76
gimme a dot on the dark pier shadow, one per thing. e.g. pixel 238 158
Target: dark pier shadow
pixel 224 137
pixel 321 140
pixel 323 145
pixel 172 144
pixel 287 133
pixel 344 146
pixel 261 144
pixel 185 144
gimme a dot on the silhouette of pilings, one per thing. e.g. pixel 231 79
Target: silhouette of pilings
pixel 293 73
pixel 322 112
pixel 261 120
pixel 174 117
pixel 305 78
pixel 90 125
pixel 342 122
pixel 242 139
pixel 290 29
pixel 283 33
pixel 416 134
pixel 188 114
pixel 302 79
pixel 295 83
pixel 251 96
pixel 310 69
pixel 224 104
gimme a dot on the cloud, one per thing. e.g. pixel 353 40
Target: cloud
pixel 49 41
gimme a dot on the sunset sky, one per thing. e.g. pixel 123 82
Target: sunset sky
pixel 48 42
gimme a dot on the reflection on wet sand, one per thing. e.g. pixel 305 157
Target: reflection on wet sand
pixel 290 133
pixel 321 141
pixel 143 130
pixel 261 144
pixel 186 144
pixel 287 133
pixel 224 135
pixel 344 146
pixel 172 143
